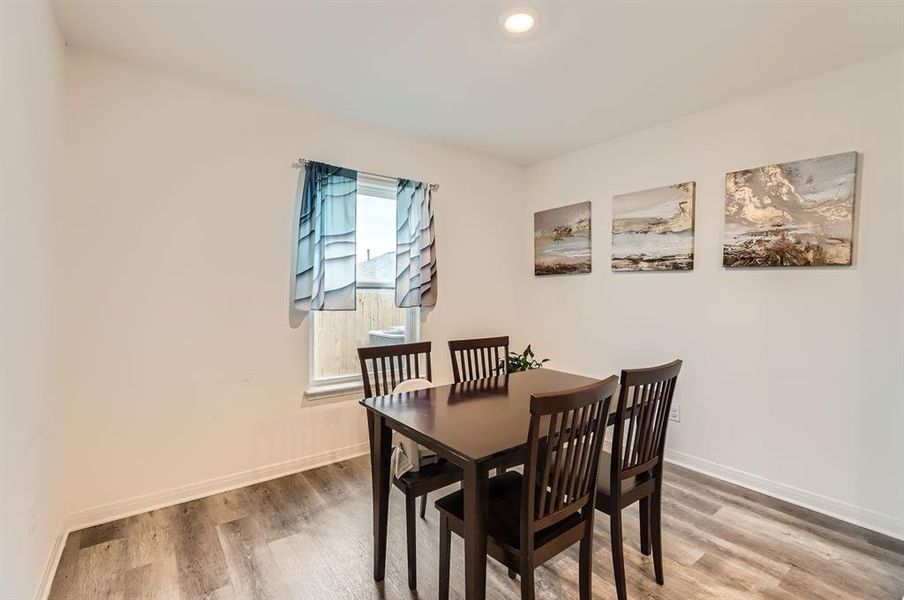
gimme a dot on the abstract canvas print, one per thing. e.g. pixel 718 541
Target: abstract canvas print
pixel 795 214
pixel 653 230
pixel 562 240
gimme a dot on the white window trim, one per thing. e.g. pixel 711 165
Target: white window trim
pixel 377 186
pixel 323 392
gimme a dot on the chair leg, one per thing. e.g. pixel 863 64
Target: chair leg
pixel 618 553
pixel 445 548
pixel 527 580
pixel 645 526
pixel 656 534
pixel 410 510
pixel 424 506
pixel 585 566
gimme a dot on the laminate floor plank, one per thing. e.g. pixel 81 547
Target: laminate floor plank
pixel 104 568
pixel 148 538
pixel 308 536
pixel 157 580
pixel 252 568
pixel 201 564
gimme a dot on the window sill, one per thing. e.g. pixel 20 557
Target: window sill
pixel 333 392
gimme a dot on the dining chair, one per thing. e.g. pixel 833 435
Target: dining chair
pixel 478 358
pixel 531 518
pixel 642 417
pixel 390 366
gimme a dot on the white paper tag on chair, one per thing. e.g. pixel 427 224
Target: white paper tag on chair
pixel 414 454
pixel 399 463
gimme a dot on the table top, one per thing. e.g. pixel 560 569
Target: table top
pixel 475 420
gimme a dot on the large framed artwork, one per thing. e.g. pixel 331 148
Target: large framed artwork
pixel 562 240
pixel 653 230
pixel 794 214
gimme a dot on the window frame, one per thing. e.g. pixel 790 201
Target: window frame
pixel 343 386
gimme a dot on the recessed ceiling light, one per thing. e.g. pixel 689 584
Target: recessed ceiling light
pixel 519 21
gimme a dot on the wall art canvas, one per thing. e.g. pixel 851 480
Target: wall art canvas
pixel 562 240
pixel 653 230
pixel 794 214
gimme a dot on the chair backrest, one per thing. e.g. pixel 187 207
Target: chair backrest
pixel 639 440
pixel 479 358
pixel 564 444
pixel 391 365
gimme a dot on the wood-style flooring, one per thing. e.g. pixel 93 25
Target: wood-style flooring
pixel 308 536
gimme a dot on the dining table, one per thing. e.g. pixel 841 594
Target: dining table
pixel 477 425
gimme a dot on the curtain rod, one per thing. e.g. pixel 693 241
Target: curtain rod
pixel 303 162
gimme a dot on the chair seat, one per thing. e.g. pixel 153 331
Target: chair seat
pixel 504 513
pixel 429 477
pixel 604 473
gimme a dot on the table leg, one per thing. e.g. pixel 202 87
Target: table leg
pixel 380 449
pixel 475 509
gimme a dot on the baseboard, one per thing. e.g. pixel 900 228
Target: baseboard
pixel 193 491
pixel 56 552
pixel 843 511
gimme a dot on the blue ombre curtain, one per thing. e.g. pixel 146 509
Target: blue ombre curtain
pixel 325 263
pixel 415 283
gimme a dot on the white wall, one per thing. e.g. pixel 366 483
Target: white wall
pixel 180 196
pixel 792 377
pixel 31 135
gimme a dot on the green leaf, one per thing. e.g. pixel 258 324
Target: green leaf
pixel 525 361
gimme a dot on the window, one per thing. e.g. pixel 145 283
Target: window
pixel 336 335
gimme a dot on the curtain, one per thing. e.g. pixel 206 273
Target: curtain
pixel 325 262
pixel 415 283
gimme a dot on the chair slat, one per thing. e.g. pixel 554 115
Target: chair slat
pixel 557 463
pixel 656 419
pixel 575 440
pixel 583 463
pixel 547 462
pixel 664 417
pixel 644 429
pixel 624 453
pixel 377 369
pixel 641 424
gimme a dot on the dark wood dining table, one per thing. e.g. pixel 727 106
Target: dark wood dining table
pixel 477 425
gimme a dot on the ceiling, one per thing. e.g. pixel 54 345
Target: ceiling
pixel 444 70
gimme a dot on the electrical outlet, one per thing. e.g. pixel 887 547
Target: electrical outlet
pixel 675 413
